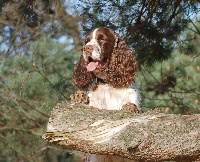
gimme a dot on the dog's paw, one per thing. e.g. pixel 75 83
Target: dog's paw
pixel 79 97
pixel 130 107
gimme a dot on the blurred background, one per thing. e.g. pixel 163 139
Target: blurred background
pixel 41 40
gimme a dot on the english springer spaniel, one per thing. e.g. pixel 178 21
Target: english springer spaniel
pixel 106 71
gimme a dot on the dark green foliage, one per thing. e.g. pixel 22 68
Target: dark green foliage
pixel 47 64
pixel 35 74
pixel 35 70
pixel 3 3
pixel 54 64
pixel 31 85
pixel 26 21
pixel 150 27
pixel 27 12
pixel 171 85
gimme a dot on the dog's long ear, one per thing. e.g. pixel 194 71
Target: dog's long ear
pixel 122 65
pixel 81 78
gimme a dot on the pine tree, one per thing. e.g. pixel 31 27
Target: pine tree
pixel 31 85
pixel 149 27
pixel 35 69
pixel 35 73
pixel 173 85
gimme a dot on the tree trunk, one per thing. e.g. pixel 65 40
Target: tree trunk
pixel 121 136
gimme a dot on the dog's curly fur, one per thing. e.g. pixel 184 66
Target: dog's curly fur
pixel 81 78
pixel 122 65
pixel 120 71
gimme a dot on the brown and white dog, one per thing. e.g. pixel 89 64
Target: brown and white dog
pixel 106 70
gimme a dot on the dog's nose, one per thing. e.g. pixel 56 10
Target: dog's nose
pixel 88 48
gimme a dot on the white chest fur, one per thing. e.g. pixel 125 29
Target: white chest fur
pixel 107 97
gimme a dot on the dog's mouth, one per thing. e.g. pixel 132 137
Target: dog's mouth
pixel 93 64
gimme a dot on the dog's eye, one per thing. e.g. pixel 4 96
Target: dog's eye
pixel 103 40
pixel 87 40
